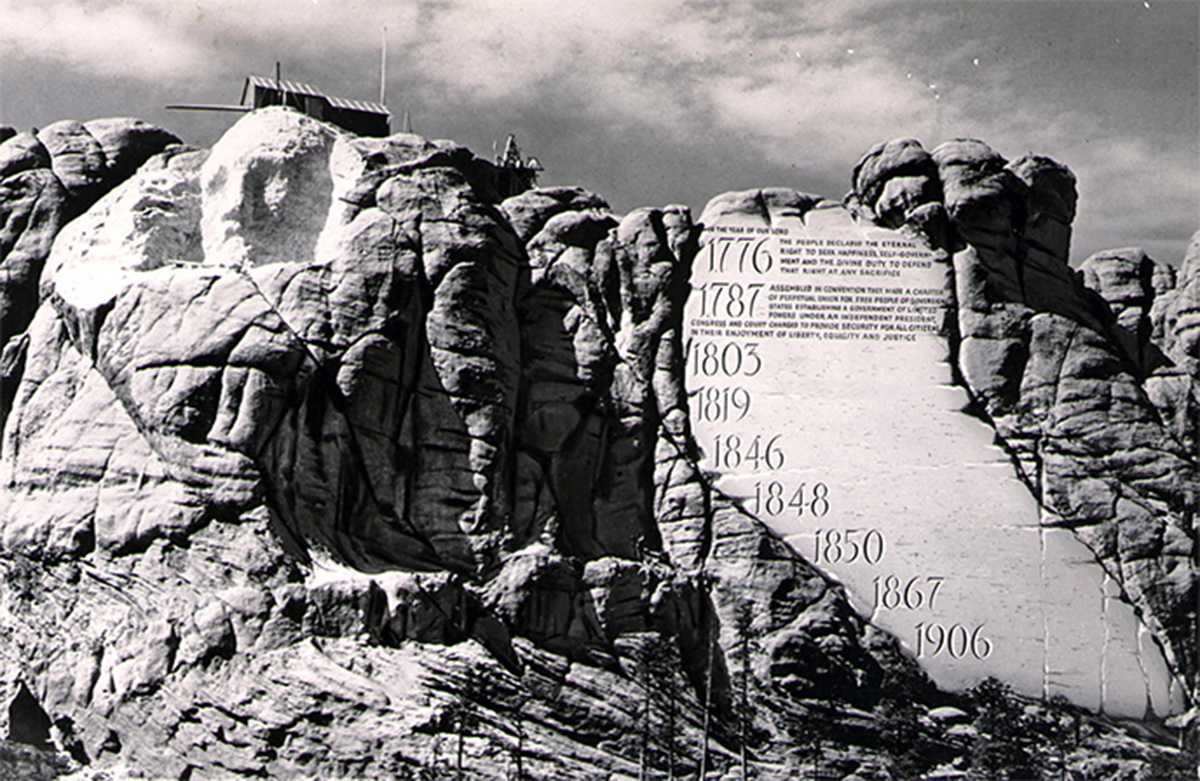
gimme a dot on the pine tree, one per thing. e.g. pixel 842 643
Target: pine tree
pixel 465 714
pixel 997 751
pixel 518 715
pixel 657 663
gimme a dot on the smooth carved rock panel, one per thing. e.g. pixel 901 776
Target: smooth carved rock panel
pixel 824 395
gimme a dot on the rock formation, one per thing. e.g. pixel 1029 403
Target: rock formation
pixel 311 386
pixel 1093 409
pixel 322 458
pixel 48 177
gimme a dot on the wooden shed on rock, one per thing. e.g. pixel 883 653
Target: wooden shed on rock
pixel 361 117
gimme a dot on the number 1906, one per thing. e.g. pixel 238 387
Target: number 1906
pixel 958 641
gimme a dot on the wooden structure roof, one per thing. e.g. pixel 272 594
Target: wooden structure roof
pixel 299 88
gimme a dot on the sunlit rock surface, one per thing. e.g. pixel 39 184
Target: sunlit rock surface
pixel 876 468
pixel 293 404
pixel 1074 387
pixel 323 459
pixel 46 179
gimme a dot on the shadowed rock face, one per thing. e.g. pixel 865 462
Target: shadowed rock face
pixel 1089 378
pixel 305 420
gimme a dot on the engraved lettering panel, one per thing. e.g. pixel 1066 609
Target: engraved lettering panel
pixel 822 397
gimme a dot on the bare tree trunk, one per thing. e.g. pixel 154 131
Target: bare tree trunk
pixel 520 753
pixel 461 730
pixel 671 735
pixel 708 676
pixel 745 710
pixel 519 724
pixel 742 741
pixel 643 767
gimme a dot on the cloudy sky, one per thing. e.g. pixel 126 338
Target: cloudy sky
pixel 651 102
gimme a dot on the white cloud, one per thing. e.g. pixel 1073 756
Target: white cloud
pixel 780 74
pixel 292 27
pixel 812 84
pixel 501 50
pixel 121 40
pixel 157 41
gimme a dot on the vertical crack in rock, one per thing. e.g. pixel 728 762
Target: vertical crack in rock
pixel 1104 651
pixel 1148 711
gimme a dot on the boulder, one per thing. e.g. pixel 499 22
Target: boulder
pixel 76 158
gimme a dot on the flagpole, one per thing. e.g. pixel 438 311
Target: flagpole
pixel 383 70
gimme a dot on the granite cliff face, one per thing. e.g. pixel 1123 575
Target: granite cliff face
pixel 1088 378
pixel 322 458
pixel 290 406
